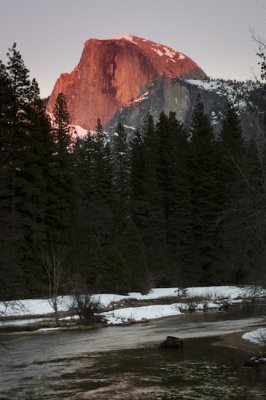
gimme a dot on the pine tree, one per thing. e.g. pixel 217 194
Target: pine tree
pixel 235 187
pixel 177 229
pixel 100 202
pixel 82 155
pixel 137 200
pixel 101 169
pixel 18 126
pixel 171 165
pixel 61 191
pixel 132 249
pixel 151 221
pixel 35 167
pixel 120 161
pixel 93 180
pixel 8 268
pixel 115 275
pixel 90 260
pixel 204 247
pixel 20 86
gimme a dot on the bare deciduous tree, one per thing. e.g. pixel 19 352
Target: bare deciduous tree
pixel 53 257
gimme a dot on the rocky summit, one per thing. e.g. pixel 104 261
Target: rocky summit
pixel 116 73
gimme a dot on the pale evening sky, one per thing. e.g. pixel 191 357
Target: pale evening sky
pixel 214 33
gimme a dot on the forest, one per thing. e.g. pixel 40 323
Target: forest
pixel 164 206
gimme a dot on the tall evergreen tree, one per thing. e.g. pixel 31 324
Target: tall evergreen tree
pixel 90 261
pixel 204 258
pixel 100 198
pixel 120 161
pixel 36 164
pixel 132 249
pixel 101 169
pixel 61 202
pixel 152 225
pixel 19 130
pixel 8 269
pixel 235 188
pixel 137 200
pixel 82 154
pixel 115 273
pixel 177 228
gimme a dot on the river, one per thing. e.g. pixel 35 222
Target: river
pixel 126 362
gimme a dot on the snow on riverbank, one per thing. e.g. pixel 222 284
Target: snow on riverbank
pixel 42 307
pixel 138 314
pixel 32 307
pixel 218 292
pixel 257 336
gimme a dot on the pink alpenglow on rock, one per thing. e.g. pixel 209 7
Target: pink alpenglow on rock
pixel 114 72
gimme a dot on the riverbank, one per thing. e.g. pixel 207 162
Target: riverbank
pixel 235 341
pixel 37 314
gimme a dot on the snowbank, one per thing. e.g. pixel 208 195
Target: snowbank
pixel 257 336
pixel 140 313
pixel 38 307
pixel 33 307
pixel 217 292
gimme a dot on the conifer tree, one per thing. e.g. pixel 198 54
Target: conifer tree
pixel 82 155
pixel 22 176
pixel 100 198
pixel 8 268
pixel 132 249
pixel 61 203
pixel 137 200
pixel 204 252
pixel 235 188
pixel 35 168
pixel 120 176
pixel 154 227
pixel 90 260
pixel 115 273
pixel 20 85
pixel 179 198
pixel 101 169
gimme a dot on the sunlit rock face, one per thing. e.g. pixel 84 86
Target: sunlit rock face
pixel 114 73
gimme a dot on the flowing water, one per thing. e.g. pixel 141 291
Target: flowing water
pixel 126 362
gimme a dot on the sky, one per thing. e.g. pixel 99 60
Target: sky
pixel 215 33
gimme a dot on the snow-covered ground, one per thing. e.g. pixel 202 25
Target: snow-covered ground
pixel 137 314
pixel 258 336
pixel 218 292
pixel 200 298
pixel 33 307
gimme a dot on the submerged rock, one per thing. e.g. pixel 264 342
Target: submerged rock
pixel 256 360
pixel 172 342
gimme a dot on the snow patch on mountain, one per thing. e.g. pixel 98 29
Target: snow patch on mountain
pixel 158 52
pixel 81 132
pixel 125 36
pixel 144 96
pixel 169 52
pixel 237 92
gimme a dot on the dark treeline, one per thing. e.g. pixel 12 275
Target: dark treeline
pixel 166 206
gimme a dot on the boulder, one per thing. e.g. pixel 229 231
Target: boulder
pixel 256 361
pixel 172 342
